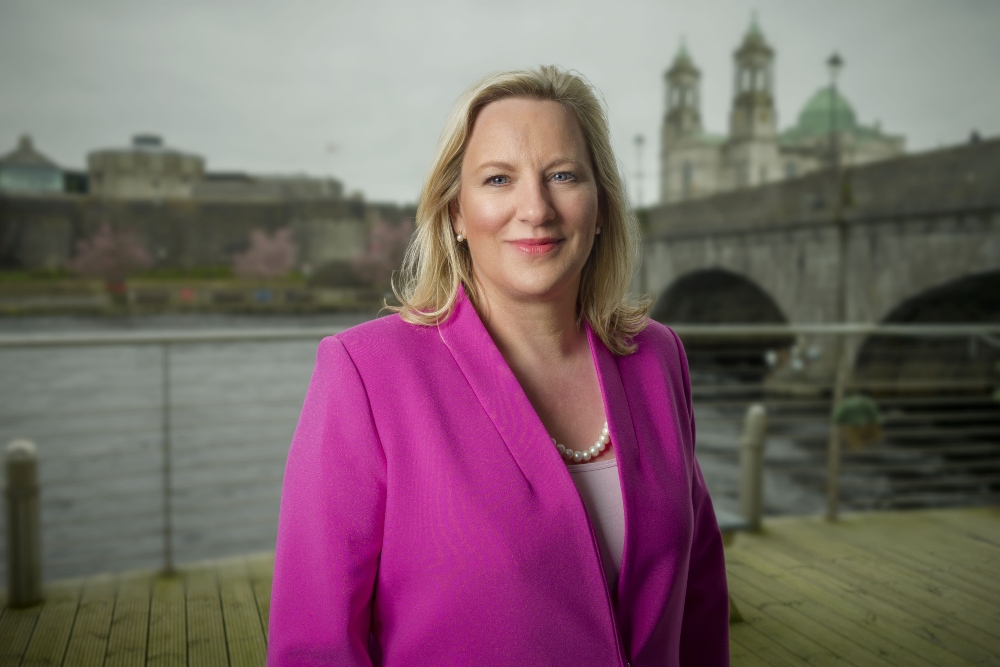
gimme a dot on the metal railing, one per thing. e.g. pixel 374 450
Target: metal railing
pixel 155 447
pixel 169 446
pixel 936 387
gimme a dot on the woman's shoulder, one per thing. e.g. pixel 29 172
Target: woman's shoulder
pixel 385 340
pixel 658 339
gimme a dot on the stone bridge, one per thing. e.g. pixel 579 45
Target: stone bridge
pixel 912 239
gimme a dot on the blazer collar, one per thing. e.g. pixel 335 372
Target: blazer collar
pixel 522 431
pixel 500 393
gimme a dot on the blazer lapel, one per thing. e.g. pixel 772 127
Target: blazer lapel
pixel 627 452
pixel 504 400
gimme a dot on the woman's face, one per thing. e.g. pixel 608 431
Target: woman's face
pixel 528 200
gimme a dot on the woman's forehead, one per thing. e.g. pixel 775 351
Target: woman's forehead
pixel 523 128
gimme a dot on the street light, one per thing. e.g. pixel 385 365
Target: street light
pixel 842 356
pixel 834 63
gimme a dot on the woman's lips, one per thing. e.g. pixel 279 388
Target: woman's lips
pixel 536 246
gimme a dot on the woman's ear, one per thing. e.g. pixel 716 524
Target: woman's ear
pixel 455 214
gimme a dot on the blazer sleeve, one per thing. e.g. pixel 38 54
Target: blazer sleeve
pixel 705 628
pixel 330 524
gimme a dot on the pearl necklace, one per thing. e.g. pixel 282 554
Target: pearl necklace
pixel 586 454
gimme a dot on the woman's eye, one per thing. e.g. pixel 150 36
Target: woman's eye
pixel 497 180
pixel 563 176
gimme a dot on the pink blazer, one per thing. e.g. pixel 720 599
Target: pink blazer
pixel 426 518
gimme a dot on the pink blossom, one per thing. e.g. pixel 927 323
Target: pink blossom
pixel 110 255
pixel 268 256
pixel 387 243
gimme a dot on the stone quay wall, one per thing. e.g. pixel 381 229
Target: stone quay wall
pixel 43 232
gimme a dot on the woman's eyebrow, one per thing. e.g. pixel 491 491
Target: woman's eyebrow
pixel 494 164
pixel 561 161
pixel 506 166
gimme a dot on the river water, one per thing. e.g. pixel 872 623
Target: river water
pixel 96 415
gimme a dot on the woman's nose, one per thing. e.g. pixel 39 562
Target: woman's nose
pixel 534 203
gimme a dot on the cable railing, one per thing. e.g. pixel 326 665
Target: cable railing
pixel 935 440
pixel 162 447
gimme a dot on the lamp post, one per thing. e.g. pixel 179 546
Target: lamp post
pixel 834 63
pixel 844 347
pixel 639 142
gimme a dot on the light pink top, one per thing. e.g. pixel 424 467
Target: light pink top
pixel 601 492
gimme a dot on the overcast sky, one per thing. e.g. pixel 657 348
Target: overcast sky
pixel 360 90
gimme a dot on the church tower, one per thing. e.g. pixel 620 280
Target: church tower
pixel 688 167
pixel 683 116
pixel 753 149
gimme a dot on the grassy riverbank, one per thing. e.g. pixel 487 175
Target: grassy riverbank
pixel 203 291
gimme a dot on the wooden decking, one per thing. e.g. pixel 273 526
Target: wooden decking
pixel 917 588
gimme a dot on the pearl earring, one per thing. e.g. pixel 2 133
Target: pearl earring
pixel 459 237
pixel 598 232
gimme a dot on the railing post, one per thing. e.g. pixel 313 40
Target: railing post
pixel 843 371
pixel 752 465
pixel 168 519
pixel 24 553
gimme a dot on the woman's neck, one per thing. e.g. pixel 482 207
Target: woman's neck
pixel 526 331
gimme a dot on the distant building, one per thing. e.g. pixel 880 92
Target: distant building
pixel 237 186
pixel 149 170
pixel 26 170
pixel 145 170
pixel 694 163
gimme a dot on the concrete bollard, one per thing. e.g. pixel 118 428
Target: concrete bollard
pixel 752 465
pixel 24 553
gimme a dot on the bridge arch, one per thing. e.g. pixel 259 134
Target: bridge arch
pixel 904 361
pixel 716 296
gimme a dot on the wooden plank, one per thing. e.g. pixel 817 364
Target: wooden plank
pixel 963 557
pixel 763 650
pixel 261 575
pixel 791 638
pixel 848 598
pixel 244 632
pixel 88 642
pixel 741 655
pixel 933 537
pixel 167 632
pixel 790 627
pixel 889 581
pixel 16 626
pixel 205 629
pixel 931 624
pixel 940 625
pixel 55 622
pixel 949 589
pixel 130 621
pixel 848 624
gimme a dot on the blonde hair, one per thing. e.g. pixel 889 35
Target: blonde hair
pixel 435 264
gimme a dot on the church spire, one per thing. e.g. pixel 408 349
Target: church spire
pixel 683 79
pixel 753 114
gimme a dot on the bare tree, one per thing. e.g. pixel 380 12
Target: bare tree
pixel 268 256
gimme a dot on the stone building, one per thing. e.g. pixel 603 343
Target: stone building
pixel 238 186
pixel 695 163
pixel 149 170
pixel 145 170
pixel 184 216
pixel 26 170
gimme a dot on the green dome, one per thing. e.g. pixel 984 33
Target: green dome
pixel 815 117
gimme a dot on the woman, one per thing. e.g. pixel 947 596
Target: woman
pixel 503 473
